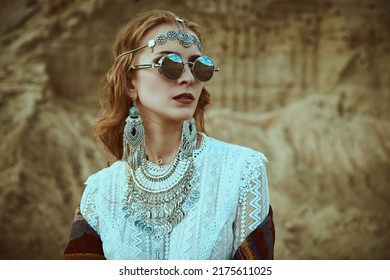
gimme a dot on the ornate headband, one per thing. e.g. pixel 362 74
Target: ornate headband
pixel 185 39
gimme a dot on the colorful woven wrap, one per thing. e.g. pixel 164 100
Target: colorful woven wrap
pixel 85 243
pixel 259 244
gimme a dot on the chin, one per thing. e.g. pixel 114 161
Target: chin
pixel 183 116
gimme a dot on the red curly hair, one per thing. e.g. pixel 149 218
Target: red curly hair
pixel 114 86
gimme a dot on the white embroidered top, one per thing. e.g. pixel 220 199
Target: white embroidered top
pixel 233 201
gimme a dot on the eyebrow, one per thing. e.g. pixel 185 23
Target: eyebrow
pixel 194 56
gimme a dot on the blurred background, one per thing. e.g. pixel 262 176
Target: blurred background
pixel 307 82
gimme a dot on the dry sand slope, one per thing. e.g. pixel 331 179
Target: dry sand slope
pixel 307 84
pixel 328 177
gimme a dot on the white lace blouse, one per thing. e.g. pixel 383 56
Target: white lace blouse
pixel 233 201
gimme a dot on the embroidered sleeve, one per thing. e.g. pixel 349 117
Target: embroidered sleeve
pixel 254 197
pixel 89 203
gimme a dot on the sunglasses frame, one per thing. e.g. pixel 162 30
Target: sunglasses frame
pixel 159 66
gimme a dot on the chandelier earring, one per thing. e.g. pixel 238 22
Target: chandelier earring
pixel 134 139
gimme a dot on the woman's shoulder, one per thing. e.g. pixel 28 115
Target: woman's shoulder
pixel 234 151
pixel 105 175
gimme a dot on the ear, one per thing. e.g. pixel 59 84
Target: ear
pixel 133 94
pixel 131 91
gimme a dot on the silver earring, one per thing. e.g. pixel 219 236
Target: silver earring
pixel 134 138
pixel 188 144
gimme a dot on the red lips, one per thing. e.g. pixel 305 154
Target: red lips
pixel 184 96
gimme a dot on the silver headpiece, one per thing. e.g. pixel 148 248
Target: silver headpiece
pixel 184 38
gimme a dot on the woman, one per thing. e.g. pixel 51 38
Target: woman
pixel 174 192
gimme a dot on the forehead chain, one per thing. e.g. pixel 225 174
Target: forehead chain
pixel 184 38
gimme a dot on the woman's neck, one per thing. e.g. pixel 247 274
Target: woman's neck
pixel 161 140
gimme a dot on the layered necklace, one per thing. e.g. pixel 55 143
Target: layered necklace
pixel 157 199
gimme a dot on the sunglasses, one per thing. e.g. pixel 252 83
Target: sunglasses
pixel 171 66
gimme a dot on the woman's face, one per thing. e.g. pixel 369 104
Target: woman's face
pixel 158 98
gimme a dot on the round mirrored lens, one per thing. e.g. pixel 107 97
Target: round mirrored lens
pixel 171 66
pixel 203 68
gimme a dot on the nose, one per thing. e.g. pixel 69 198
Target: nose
pixel 187 77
